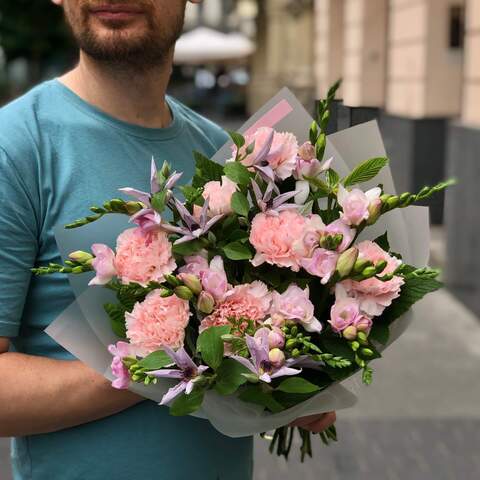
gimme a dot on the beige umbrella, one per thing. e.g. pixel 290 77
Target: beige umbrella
pixel 205 45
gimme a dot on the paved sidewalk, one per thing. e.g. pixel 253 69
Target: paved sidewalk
pixel 419 420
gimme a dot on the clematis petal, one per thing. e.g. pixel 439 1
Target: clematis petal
pixel 173 393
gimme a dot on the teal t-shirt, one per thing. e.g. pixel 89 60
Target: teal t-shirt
pixel 58 156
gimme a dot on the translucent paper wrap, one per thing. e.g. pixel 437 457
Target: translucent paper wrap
pixel 84 327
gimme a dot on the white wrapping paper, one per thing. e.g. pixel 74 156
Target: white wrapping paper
pixel 84 327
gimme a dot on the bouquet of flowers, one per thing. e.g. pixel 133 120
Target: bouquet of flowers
pixel 254 290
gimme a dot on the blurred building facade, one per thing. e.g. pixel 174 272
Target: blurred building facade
pixel 414 65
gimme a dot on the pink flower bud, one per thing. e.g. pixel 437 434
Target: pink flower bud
pixel 276 357
pixel 206 302
pixel 276 338
pixel 363 324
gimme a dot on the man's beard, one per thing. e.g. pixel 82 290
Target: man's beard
pixel 122 49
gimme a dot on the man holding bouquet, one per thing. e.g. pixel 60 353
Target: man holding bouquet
pixel 68 142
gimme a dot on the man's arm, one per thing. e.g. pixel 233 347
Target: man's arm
pixel 41 395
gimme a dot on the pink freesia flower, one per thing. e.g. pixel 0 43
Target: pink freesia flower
pixel 346 311
pixel 219 195
pixel 306 163
pixel 157 322
pixel 195 264
pixel 274 238
pixel 143 258
pixel 248 301
pixel 355 204
pixel 214 279
pixel 322 264
pixel 373 294
pixel 316 229
pixel 294 304
pixel 119 370
pixel 276 338
pixel 103 264
pixel 282 154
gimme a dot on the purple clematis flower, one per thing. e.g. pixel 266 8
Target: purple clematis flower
pixel 270 205
pixel 186 372
pixel 147 218
pixel 260 364
pixel 194 227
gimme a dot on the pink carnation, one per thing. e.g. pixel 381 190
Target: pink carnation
pixel 219 196
pixel 143 258
pixel 275 239
pixel 157 322
pixel 373 294
pixel 283 152
pixel 248 301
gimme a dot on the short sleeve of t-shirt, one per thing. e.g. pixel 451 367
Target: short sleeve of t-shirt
pixel 18 244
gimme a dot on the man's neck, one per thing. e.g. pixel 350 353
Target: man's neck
pixel 136 97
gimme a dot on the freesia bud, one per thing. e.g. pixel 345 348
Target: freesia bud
pixel 183 292
pixel 346 262
pixel 350 333
pixel 80 257
pixel 206 302
pixel 374 211
pixel 380 266
pixel 277 357
pixel 133 207
pixel 361 264
pixel 191 281
pixel 276 338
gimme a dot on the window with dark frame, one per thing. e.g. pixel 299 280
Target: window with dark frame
pixel 456 27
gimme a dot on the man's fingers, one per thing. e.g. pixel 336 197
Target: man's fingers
pixel 322 424
pixel 303 422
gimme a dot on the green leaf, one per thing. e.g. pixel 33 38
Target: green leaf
pixel 190 193
pixel 255 394
pixel 210 345
pixel 229 376
pixel 240 204
pixel 365 171
pixel 367 375
pixel 238 235
pixel 237 138
pixel 297 385
pixel 332 178
pixel 379 332
pixel 116 314
pixel 187 404
pixel 159 201
pixel 187 248
pixel 382 242
pixel 156 361
pixel 206 168
pixel 338 346
pixel 321 188
pixel 238 173
pixel 237 251
pixel 289 400
pixel 413 290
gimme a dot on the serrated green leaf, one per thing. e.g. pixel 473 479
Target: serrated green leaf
pixel 237 173
pixel 255 394
pixel 156 361
pixel 297 385
pixel 190 193
pixel 237 138
pixel 207 169
pixel 210 345
pixel 379 332
pixel 413 290
pixel 237 251
pixel 240 204
pixel 187 404
pixel 365 171
pixel 229 376
pixel 382 242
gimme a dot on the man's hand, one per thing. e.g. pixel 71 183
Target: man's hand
pixel 315 423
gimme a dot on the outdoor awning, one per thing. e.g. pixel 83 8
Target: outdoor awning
pixel 205 45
